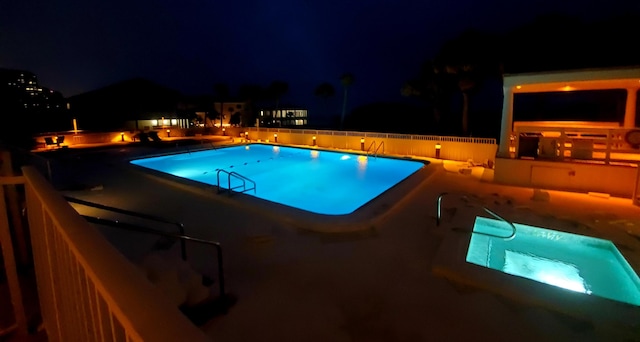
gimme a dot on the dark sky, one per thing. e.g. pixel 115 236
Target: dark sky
pixel 77 46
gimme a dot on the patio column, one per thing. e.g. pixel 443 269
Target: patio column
pixel 507 122
pixel 630 108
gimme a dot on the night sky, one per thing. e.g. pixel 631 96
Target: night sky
pixel 77 46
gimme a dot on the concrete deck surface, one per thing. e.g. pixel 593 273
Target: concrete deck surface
pixel 376 284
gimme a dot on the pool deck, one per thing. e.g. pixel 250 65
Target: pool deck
pixel 388 279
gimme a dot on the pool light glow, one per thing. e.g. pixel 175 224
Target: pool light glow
pixel 574 262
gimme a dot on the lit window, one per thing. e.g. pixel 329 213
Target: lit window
pixel 174 122
pixel 154 122
pixel 165 121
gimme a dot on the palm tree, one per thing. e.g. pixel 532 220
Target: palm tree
pixel 221 90
pixel 250 94
pixel 325 91
pixel 277 89
pixel 346 80
pixel 431 87
pixel 468 60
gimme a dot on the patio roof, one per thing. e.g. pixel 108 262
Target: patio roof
pixel 571 80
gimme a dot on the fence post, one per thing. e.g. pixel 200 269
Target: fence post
pixel 10 266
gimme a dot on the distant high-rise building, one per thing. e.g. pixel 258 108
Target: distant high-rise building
pixel 27 108
pixel 20 91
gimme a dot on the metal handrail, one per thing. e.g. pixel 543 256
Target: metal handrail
pixel 237 175
pixel 218 178
pixel 375 153
pixel 490 212
pixel 244 180
pixel 183 248
pixel 373 144
pixel 142 229
pixel 182 237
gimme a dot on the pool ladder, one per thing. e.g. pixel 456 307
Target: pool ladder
pixel 236 175
pixel 489 211
pixel 374 148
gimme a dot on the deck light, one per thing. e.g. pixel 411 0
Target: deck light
pixel 168 133
pixel 362 144
pixel 314 140
pixel 275 137
pixel 121 136
pixel 224 131
pixel 438 147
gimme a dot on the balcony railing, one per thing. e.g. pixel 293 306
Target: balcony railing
pixel 601 145
pixel 88 291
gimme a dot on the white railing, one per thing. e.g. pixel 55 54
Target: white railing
pixel 588 144
pixel 454 148
pixel 88 291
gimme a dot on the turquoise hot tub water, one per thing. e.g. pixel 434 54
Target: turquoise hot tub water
pixel 324 182
pixel 575 262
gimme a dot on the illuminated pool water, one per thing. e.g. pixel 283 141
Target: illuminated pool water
pixel 575 262
pixel 322 182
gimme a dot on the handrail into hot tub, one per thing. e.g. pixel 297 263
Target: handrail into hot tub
pixel 490 212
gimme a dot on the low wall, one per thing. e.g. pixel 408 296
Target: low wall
pixel 453 148
pixel 479 150
pixel 578 177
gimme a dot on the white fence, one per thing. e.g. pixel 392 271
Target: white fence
pixel 453 148
pixel 603 145
pixel 88 291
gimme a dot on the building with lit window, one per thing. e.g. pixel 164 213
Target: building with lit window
pixel 20 89
pixel 28 107
pixel 135 104
pixel 283 117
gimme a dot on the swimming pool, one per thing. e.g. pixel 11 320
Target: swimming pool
pixel 323 182
pixel 574 262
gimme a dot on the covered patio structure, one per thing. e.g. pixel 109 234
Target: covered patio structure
pixel 582 156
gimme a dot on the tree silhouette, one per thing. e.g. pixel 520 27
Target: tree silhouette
pixel 276 90
pixel 325 91
pixel 466 61
pixel 250 94
pixel 346 80
pixel 430 87
pixel 221 90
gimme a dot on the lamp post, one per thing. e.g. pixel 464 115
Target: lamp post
pixel 246 135
pixel 314 140
pixel 275 137
pixel 224 131
pixel 168 133
pixel 362 144
pixel 122 136
pixel 438 147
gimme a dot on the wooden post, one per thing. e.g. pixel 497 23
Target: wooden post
pixel 6 169
pixel 10 266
